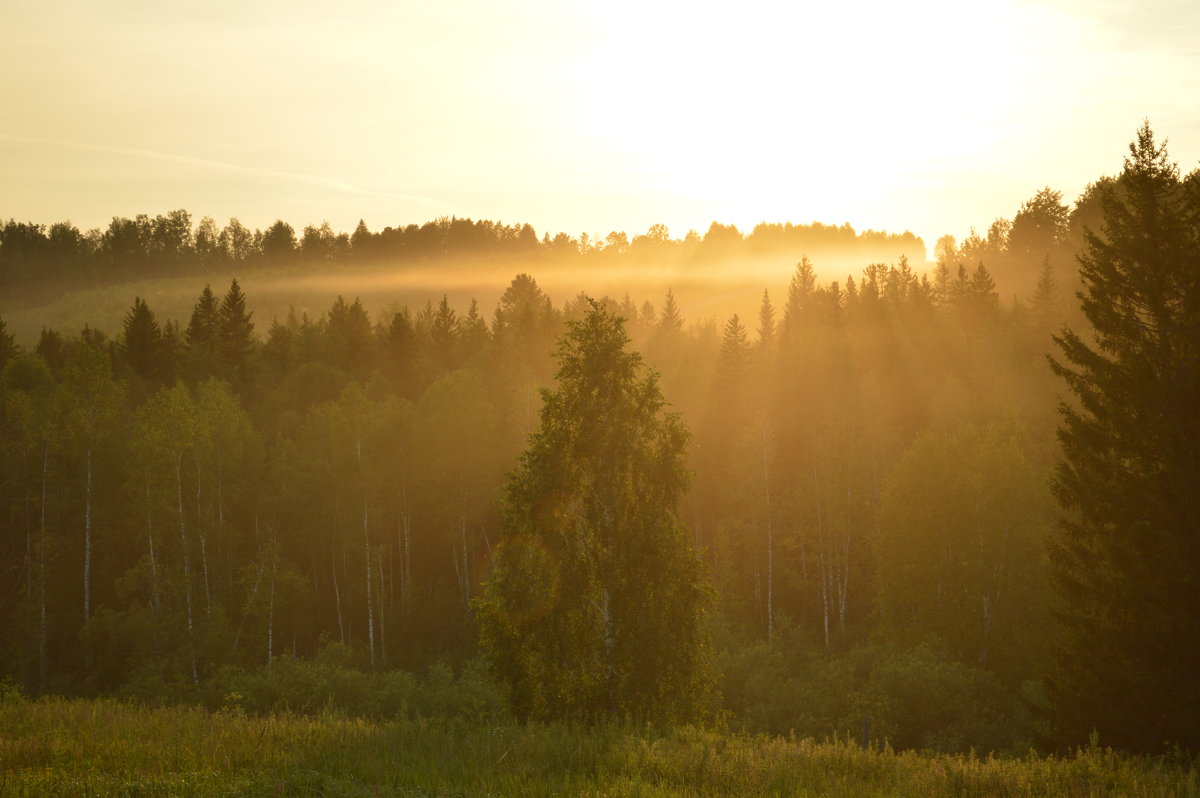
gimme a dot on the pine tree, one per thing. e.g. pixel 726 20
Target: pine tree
pixel 400 353
pixel 349 332
pixel 234 331
pixel 799 299
pixel 8 348
pixel 444 334
pixel 473 332
pixel 670 321
pixel 1046 304
pixel 1126 561
pixel 142 341
pixel 202 329
pixel 50 348
pixel 766 323
pixel 596 605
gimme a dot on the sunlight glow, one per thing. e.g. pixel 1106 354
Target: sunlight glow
pixel 930 116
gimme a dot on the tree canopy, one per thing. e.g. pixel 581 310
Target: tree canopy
pixel 596 603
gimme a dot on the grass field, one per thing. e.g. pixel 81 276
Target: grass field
pixel 57 746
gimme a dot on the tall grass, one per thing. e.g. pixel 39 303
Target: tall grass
pixel 56 746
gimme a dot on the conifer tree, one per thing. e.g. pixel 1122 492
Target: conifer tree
pixel 400 352
pixel 444 334
pixel 669 319
pixel 799 298
pixel 766 322
pixel 1046 304
pixel 234 330
pixel 1126 562
pixel 202 329
pixel 50 348
pixel 142 340
pixel 350 336
pixel 8 348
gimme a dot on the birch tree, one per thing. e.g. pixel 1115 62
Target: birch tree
pixel 93 400
pixel 596 605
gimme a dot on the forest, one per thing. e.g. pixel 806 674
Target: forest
pixel 946 505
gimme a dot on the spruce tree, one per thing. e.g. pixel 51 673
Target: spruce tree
pixel 8 347
pixel 234 331
pixel 766 323
pixel 142 340
pixel 202 329
pixel 596 603
pixel 670 322
pixel 1126 562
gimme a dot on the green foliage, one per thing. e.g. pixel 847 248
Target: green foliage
pixel 909 698
pixel 326 685
pixel 596 604
pixel 1125 564
pixel 856 500
pixel 142 340
pixel 65 747
pixel 960 549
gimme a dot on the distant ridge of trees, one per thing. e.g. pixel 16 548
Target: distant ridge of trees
pixel 60 256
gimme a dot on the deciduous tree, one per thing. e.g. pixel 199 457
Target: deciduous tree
pixel 596 605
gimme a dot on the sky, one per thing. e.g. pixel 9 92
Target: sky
pixel 931 116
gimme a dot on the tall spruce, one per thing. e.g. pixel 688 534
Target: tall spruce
pixel 8 347
pixel 142 341
pixel 235 331
pixel 1126 562
pixel 202 329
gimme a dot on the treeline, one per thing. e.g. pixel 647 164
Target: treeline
pixel 49 258
pixel 192 496
pixel 872 464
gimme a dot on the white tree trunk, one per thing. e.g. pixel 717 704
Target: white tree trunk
pixel 462 528
pixel 382 630
pixel 770 542
pixel 187 567
pixel 271 612
pixel 42 550
pixel 370 599
pixel 202 533
pixel 87 538
pixel 337 596
pixel 155 598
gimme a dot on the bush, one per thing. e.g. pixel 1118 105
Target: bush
pixel 329 685
pixel 913 698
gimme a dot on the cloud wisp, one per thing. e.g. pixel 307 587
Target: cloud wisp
pixel 318 181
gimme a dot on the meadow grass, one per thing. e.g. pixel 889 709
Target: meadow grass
pixel 57 746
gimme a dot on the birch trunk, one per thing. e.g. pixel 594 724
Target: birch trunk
pixel 337 597
pixel 370 600
pixel 382 631
pixel 187 568
pixel 202 534
pixel 843 582
pixel 155 599
pixel 462 528
pixel 258 575
pixel 87 538
pixel 271 612
pixel 770 541
pixel 42 571
pixel 403 533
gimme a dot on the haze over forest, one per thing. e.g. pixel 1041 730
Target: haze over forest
pixel 841 505
pixel 451 382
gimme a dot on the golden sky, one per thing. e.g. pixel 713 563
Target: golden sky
pixel 929 115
